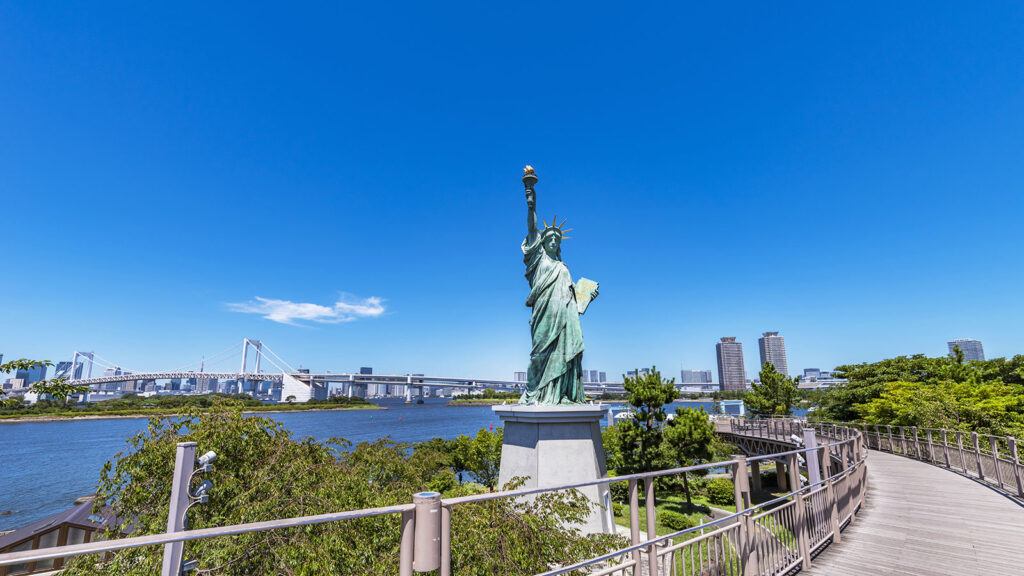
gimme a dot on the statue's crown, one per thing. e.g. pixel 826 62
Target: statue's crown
pixel 552 229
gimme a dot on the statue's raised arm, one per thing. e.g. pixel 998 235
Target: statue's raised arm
pixel 529 179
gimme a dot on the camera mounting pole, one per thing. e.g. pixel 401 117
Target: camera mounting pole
pixel 184 464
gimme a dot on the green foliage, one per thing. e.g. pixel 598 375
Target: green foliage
pixel 263 473
pixel 479 455
pixel 980 396
pixel 638 441
pixel 489 394
pixel 677 521
pixel 688 440
pixel 774 395
pixel 720 491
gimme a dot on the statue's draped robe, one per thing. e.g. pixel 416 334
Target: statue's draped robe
pixel 556 361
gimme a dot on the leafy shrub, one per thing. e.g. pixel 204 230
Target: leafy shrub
pixel 618 509
pixel 769 478
pixel 676 521
pixel 720 491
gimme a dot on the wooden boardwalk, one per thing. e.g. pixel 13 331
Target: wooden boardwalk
pixel 922 520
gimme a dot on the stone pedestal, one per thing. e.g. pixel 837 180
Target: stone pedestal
pixel 555 445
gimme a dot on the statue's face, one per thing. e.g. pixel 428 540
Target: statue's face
pixel 551 245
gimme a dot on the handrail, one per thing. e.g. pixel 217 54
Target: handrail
pixel 969 455
pixel 738 537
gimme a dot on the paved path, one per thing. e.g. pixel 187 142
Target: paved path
pixel 922 520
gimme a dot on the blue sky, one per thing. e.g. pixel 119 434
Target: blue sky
pixel 847 175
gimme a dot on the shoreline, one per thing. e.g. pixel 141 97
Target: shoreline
pixel 69 418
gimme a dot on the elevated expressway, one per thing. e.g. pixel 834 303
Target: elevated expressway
pixel 354 384
pixel 938 502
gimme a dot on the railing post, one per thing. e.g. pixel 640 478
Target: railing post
pixel 780 476
pixel 184 464
pixel 878 438
pixel 833 511
pixel 960 446
pixel 426 555
pixel 634 523
pixel 407 543
pixel 847 451
pixel 755 476
pixel 813 467
pixel 903 442
pixel 652 526
pixel 892 447
pixel 747 537
pixel 446 541
pixel 994 442
pixel 917 443
pixel 977 455
pixel 800 511
pixel 1011 445
pixel 931 452
pixel 945 447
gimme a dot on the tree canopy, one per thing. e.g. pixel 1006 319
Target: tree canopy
pixel 774 395
pixel 263 473
pixel 946 392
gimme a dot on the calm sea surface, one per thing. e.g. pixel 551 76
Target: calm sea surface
pixel 45 466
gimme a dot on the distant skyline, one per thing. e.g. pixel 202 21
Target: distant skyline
pixel 343 182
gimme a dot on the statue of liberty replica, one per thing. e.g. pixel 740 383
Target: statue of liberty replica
pixel 556 360
pixel 553 436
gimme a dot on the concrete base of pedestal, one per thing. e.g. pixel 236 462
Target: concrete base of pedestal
pixel 553 445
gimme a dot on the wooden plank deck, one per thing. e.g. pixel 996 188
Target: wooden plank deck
pixel 922 520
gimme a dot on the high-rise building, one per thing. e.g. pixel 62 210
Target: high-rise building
pixel 731 373
pixel 695 377
pixel 32 375
pixel 773 350
pixel 519 377
pixel 971 348
pixel 633 373
pixel 602 377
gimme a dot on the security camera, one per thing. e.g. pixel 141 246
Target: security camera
pixel 200 493
pixel 207 458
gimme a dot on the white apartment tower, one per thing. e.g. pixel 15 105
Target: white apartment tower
pixel 972 348
pixel 773 349
pixel 731 373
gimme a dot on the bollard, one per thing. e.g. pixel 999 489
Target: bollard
pixel 427 532
pixel 184 464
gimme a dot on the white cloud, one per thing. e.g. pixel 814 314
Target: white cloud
pixel 346 309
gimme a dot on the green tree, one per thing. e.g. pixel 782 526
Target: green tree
pixel 688 440
pixel 773 396
pixel 640 438
pixel 480 455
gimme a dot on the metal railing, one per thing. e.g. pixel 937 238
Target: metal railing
pixel 765 539
pixel 989 458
